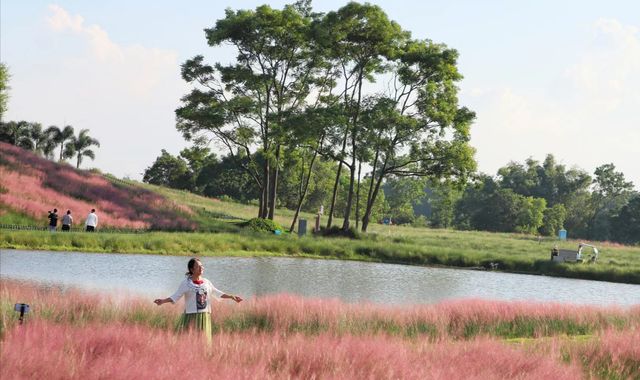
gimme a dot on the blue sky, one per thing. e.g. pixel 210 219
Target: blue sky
pixel 557 77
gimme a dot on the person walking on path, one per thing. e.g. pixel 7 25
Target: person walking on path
pixel 67 220
pixel 53 220
pixel 92 221
pixel 197 291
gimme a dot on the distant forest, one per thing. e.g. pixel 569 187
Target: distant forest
pixel 532 197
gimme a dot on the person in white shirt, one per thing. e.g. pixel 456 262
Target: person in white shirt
pixel 92 221
pixel 196 291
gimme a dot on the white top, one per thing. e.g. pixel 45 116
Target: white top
pixel 196 297
pixel 92 220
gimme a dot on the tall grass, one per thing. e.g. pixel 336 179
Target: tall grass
pixel 286 314
pixel 71 334
pixel 44 350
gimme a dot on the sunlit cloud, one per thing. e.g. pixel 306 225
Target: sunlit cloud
pixel 119 91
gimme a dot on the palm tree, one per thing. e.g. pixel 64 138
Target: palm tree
pixel 17 133
pixel 41 142
pixel 60 137
pixel 79 145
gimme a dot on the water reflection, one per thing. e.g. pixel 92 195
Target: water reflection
pixel 158 276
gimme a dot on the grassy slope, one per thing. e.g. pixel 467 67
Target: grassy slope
pixel 421 246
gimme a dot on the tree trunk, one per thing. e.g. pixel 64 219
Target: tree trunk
pixel 304 192
pixel 274 184
pixel 354 152
pixel 352 172
pixel 358 195
pixel 265 189
pixel 372 200
pixel 335 185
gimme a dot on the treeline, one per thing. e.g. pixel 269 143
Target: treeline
pixel 532 197
pixel 52 142
pixel 541 198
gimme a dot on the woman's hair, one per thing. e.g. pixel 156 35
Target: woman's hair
pixel 190 266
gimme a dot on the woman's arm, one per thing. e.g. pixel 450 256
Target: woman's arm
pixel 160 301
pixel 235 298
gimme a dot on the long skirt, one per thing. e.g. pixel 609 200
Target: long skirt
pixel 196 322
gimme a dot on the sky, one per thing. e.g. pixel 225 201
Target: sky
pixel 559 77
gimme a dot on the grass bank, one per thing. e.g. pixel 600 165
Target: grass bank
pixel 511 253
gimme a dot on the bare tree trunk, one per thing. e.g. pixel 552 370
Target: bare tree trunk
pixel 335 185
pixel 352 178
pixel 354 152
pixel 265 189
pixel 358 195
pixel 372 200
pixel 274 184
pixel 303 194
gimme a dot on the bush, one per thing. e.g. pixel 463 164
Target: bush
pixel 261 225
pixel 336 231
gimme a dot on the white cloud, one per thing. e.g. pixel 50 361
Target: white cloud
pixel 608 75
pixel 587 118
pixel 61 20
pixel 125 94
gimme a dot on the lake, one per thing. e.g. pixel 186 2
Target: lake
pixel 156 276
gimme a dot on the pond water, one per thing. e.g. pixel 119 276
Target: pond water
pixel 158 276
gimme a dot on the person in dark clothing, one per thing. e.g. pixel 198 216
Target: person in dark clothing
pixel 53 220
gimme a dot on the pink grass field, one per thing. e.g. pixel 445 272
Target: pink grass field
pixel 54 351
pixel 72 335
pixel 28 183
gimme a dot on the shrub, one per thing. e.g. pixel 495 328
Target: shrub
pixel 261 225
pixel 336 231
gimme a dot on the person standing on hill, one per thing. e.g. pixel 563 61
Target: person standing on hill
pixel 196 291
pixel 92 221
pixel 53 220
pixel 67 220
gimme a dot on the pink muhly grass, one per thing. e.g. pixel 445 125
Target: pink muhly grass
pixel 288 314
pixel 44 350
pixel 611 354
pixel 449 319
pixel 30 180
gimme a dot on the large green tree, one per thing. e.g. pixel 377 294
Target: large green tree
pixel 626 225
pixel 359 39
pixel 611 191
pixel 167 170
pixel 548 180
pixel 420 130
pixel 244 105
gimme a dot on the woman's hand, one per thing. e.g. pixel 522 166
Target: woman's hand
pixel 160 301
pixel 238 299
